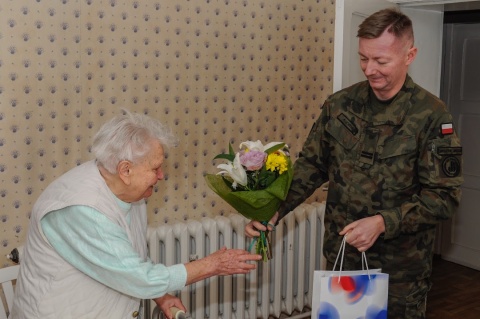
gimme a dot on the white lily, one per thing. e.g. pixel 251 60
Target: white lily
pixel 258 146
pixel 235 170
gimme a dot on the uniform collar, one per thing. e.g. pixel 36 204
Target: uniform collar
pixel 392 114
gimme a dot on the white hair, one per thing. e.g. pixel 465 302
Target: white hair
pixel 127 137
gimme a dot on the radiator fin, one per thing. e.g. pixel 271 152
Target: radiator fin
pixel 282 285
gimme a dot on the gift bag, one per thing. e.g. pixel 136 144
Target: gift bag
pixel 360 294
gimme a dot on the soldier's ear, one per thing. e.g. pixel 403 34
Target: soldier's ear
pixel 411 54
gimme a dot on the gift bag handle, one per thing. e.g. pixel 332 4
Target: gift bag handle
pixel 341 254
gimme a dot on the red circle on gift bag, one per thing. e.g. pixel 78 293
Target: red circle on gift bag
pixel 347 283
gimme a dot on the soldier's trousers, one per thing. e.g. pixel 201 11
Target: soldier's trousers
pixel 408 300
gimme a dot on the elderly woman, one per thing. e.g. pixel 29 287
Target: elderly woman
pixel 86 255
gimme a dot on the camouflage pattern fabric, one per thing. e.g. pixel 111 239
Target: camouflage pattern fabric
pixel 400 160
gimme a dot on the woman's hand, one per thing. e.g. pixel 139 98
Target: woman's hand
pixel 166 302
pixel 223 262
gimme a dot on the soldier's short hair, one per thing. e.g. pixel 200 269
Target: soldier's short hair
pixel 391 19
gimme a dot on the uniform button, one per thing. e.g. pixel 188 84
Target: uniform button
pixel 135 314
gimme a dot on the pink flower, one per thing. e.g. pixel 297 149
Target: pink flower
pixel 253 160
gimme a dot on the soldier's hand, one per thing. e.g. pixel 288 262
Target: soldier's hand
pixel 253 227
pixel 363 233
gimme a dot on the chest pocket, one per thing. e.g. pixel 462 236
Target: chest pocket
pixel 399 157
pixel 343 130
pixel 398 146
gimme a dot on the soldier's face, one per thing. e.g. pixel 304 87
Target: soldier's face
pixel 385 61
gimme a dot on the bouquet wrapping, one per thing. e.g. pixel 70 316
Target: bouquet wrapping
pixel 254 182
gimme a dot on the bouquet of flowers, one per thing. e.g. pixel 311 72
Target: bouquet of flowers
pixel 254 181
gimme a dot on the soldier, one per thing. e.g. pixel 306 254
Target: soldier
pixel 393 161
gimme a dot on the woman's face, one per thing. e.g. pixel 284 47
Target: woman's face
pixel 146 173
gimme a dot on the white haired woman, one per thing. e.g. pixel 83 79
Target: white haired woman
pixel 86 255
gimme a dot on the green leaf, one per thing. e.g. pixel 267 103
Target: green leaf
pixel 228 182
pixel 275 148
pixel 230 150
pixel 229 157
pixel 264 183
pixel 266 178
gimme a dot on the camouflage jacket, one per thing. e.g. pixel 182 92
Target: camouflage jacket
pixel 402 160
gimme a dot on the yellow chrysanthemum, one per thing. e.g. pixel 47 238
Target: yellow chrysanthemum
pixel 277 161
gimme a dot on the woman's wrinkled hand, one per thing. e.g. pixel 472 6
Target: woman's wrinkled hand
pixel 166 302
pixel 223 262
pixel 232 261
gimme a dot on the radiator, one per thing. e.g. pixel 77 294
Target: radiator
pixel 280 287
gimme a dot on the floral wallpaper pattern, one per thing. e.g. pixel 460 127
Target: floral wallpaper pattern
pixel 217 71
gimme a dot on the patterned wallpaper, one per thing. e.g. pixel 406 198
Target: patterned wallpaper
pixel 217 71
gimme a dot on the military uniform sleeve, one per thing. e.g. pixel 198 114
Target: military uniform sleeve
pixel 439 176
pixel 310 168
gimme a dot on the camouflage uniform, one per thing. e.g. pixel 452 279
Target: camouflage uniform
pixel 399 160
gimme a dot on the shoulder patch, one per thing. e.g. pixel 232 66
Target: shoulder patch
pixel 451 166
pixel 449 150
pixel 446 128
pixel 447 159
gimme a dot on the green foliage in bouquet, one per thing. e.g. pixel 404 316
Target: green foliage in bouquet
pixel 254 181
pixel 260 204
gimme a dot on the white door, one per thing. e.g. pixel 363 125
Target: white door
pixel 461 242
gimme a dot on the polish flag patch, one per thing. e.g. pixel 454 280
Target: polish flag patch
pixel 447 128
